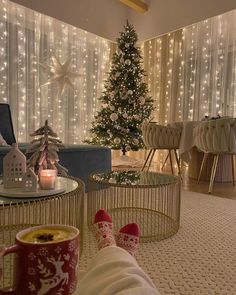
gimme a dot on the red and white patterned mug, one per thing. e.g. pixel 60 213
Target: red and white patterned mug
pixel 46 261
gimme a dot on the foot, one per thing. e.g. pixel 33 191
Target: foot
pixel 103 228
pixel 128 238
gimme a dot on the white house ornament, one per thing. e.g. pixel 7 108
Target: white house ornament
pixel 14 168
pixel 30 181
pixel 60 74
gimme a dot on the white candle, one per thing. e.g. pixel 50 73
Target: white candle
pixel 47 178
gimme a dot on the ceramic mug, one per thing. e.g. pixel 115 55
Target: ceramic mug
pixel 46 260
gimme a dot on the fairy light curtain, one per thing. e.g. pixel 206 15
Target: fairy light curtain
pixel 28 38
pixel 192 72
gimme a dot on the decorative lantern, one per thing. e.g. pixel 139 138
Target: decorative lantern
pixel 14 167
pixel 30 181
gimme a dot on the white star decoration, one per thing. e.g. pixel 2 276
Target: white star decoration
pixel 60 74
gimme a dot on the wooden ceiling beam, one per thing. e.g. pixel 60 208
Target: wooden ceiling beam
pixel 137 5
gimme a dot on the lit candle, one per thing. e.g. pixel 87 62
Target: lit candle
pixel 47 178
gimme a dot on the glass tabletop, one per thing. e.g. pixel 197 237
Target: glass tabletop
pixel 67 184
pixel 134 178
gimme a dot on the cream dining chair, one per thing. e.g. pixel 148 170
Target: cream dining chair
pixel 159 137
pixel 216 137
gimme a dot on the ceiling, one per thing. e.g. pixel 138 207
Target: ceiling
pixel 106 18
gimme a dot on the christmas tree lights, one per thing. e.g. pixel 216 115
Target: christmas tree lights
pixel 125 100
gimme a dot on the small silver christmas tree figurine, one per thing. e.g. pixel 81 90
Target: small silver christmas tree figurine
pixel 44 150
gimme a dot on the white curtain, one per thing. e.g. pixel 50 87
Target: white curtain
pixel 192 72
pixel 28 38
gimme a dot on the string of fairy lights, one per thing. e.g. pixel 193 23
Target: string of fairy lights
pixel 28 39
pixel 191 72
pixel 202 59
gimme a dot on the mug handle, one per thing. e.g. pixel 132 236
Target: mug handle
pixel 4 251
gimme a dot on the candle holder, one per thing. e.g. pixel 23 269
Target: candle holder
pixel 47 179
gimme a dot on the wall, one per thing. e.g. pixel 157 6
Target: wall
pixel 165 16
pixel 104 18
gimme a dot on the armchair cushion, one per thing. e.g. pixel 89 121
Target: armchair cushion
pixel 216 136
pixel 161 137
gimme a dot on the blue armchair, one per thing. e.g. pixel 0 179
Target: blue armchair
pixel 80 160
pixel 6 126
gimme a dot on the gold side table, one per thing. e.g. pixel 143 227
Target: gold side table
pixel 19 213
pixel 148 198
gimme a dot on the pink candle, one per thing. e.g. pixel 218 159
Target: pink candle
pixel 47 178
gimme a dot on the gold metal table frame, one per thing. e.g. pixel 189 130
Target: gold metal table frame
pixel 16 214
pixel 150 199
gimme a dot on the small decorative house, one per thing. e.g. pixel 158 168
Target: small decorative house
pixel 14 167
pixel 29 181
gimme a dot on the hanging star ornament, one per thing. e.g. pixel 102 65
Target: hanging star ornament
pixel 60 74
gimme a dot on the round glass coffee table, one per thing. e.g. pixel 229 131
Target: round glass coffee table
pixel 17 213
pixel 148 198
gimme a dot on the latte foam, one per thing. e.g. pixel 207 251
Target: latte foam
pixel 47 235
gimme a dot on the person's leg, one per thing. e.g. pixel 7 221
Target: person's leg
pixel 128 238
pixel 114 270
pixel 103 228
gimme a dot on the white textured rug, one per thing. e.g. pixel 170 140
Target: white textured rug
pixel 200 258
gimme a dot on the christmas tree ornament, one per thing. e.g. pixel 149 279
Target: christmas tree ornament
pixel 60 74
pixel 141 100
pixel 113 116
pixel 129 92
pixel 117 140
pixel 43 150
pixel 128 148
pixel 128 62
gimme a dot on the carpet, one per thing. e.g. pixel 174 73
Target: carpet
pixel 200 258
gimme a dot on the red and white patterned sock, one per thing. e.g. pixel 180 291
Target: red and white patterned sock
pixel 128 238
pixel 103 228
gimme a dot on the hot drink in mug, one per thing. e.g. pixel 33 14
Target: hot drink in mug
pixel 46 260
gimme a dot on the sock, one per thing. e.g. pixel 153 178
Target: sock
pixel 128 237
pixel 103 228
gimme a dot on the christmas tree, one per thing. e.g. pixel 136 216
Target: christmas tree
pixel 44 150
pixel 125 100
